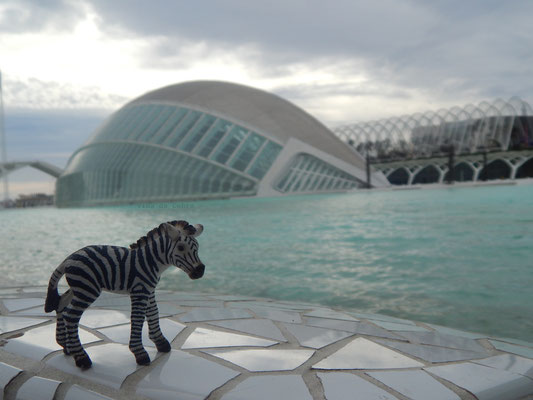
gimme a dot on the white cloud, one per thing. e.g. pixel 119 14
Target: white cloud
pixel 33 93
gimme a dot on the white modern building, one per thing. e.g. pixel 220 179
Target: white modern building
pixel 208 139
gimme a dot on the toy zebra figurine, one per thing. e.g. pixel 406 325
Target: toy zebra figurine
pixel 135 271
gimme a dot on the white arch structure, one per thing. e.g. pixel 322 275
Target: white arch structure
pixel 411 143
pixel 40 165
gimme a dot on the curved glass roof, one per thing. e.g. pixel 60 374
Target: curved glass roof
pixel 191 131
pixel 308 174
pixel 108 173
pixel 261 110
pixel 149 152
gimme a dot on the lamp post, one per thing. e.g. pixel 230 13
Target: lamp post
pixel 484 164
pixel 368 176
pixel 450 149
pixel 3 154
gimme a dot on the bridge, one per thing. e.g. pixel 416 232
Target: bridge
pixel 467 167
pixel 43 166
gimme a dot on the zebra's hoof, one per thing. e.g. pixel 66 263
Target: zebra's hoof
pixel 163 346
pixel 143 359
pixel 84 362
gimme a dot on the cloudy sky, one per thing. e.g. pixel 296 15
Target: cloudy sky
pixel 66 65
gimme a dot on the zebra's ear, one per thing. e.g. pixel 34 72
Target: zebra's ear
pixel 199 229
pixel 171 231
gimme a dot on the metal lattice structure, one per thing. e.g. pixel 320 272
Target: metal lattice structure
pixel 490 126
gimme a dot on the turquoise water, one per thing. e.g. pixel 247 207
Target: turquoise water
pixel 460 257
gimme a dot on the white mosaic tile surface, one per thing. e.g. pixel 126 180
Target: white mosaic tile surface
pixel 270 387
pixel 112 363
pixel 200 303
pixel 484 382
pixel 433 354
pixel 270 304
pixel 9 324
pixel 257 327
pixel 37 388
pixel 322 313
pixel 393 326
pixel 443 340
pixel 7 372
pixel 515 341
pixel 416 385
pixel 513 348
pixel 361 353
pixel 509 362
pixel 339 385
pixel 79 393
pixel 361 328
pixel 20 304
pixel 4 293
pixel 205 338
pixel 180 375
pixel 94 318
pixel 277 315
pixel 316 338
pixel 456 332
pixel 37 343
pixel 235 347
pixel 262 360
pixel 379 317
pixel 32 312
pixel 213 314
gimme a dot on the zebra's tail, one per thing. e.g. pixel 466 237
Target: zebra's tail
pixel 52 297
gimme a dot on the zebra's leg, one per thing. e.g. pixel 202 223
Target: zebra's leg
pixel 61 333
pixel 155 334
pixel 61 330
pixel 72 315
pixel 139 302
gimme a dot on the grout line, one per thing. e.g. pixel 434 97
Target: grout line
pixel 314 385
pixel 217 393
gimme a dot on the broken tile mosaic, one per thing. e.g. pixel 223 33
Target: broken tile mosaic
pixel 416 385
pixel 338 384
pixel 484 382
pixel 361 353
pixel 37 388
pixel 204 338
pixel 197 377
pixel 263 359
pixel 270 387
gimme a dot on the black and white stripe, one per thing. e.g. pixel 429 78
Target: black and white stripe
pixel 135 270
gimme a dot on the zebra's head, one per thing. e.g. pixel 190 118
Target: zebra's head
pixel 184 248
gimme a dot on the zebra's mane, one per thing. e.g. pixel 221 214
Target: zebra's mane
pixel 183 225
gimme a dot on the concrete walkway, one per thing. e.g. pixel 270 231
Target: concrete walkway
pixel 235 347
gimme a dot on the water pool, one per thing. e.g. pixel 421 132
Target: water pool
pixel 460 257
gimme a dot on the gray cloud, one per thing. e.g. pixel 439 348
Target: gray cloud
pixel 449 48
pixel 296 29
pixel 49 135
pixel 34 93
pixel 453 49
pixel 22 16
